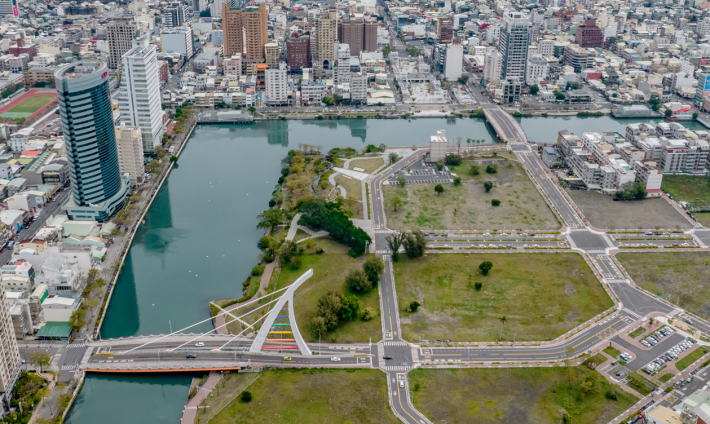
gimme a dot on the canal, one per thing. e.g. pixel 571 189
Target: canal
pixel 199 239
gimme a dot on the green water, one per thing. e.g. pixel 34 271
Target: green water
pixel 120 399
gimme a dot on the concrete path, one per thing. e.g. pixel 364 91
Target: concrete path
pixel 190 412
pixel 331 179
pixel 294 227
pixel 352 174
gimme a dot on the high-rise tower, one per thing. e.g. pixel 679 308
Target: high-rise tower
pixel 513 45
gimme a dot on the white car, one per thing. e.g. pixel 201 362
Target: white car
pixel 200 344
pixel 334 359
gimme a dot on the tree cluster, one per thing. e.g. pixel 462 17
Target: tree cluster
pixel 319 214
pixel 453 160
pixel 332 307
pixel 632 190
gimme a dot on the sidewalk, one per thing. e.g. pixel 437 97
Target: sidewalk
pixel 190 411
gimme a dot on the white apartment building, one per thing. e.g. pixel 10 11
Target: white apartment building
pixel 139 97
pixel 130 153
pixel 453 67
pixel 10 364
pixel 546 48
pixel 437 146
pixel 19 140
pixel 232 65
pixel 703 27
pixel 44 59
pixel 676 149
pixel 174 15
pixel 277 85
pixel 492 32
pixel 537 70
pixel 513 45
pixel 61 275
pixel 492 66
pixel 176 40
pixel 358 87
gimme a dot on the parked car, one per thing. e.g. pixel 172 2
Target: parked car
pixel 191 356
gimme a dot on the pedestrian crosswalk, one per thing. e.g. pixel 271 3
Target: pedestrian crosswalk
pixel 76 345
pixel 383 231
pixel 615 280
pixel 67 367
pixel 396 368
pixel 383 252
pixel 632 313
pixel 393 343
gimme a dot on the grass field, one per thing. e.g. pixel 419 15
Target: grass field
pixel 229 387
pixel 468 206
pixel 665 377
pixel 682 275
pixel 687 188
pixel 603 212
pixel 353 190
pixel 690 358
pixel 27 107
pixel 637 332
pixel 514 395
pixel 542 295
pixel 614 353
pixel 369 165
pixel 329 271
pixel 640 384
pixel 313 396
pixel 703 218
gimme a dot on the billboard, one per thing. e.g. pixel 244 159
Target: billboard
pixel 15 11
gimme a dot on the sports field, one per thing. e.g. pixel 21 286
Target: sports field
pixel 28 107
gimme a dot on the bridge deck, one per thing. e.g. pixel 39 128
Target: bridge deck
pixel 103 370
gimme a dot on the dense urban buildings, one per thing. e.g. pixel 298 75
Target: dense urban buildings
pixel 120 34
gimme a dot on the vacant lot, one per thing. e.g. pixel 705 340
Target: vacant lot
pixel 682 275
pixel 313 396
pixel 329 271
pixel 229 387
pixel 468 206
pixel 369 165
pixel 541 295
pixel 515 395
pixel 27 107
pixel 603 212
pixel 686 188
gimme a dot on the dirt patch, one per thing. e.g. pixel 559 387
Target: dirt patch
pixel 603 212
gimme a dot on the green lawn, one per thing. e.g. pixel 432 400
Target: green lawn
pixel 468 206
pixel 612 352
pixel 27 107
pixel 665 377
pixel 682 275
pixel 313 396
pixel 640 384
pixel 597 359
pixel 369 165
pixel 542 295
pixel 329 271
pixel 230 386
pixel 637 332
pixel 514 395
pixel 703 218
pixel 692 357
pixel 687 188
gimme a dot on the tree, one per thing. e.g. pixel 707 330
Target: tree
pixel 252 109
pixel 401 181
pixel 485 267
pixel 368 314
pixel 414 306
pixel 414 244
pixel 328 307
pixel 393 157
pixel 394 242
pixel 76 321
pixel 495 202
pixel 395 201
pixel 328 100
pixel 358 280
pixel 492 168
pixel 463 79
pixel 246 396
pixel 439 189
pixel 41 359
pixel 91 303
pixel 534 89
pixel 503 320
pixel 453 160
pixel 270 218
pixel 350 308
pixel 488 186
pixel 373 267
pixel 474 170
pixel 478 286
pixel 695 115
pixel 205 13
pixel 439 166
pixel 632 190
pixel 457 181
pixel 319 326
pixel 337 98
pixel 286 251
pixel 668 112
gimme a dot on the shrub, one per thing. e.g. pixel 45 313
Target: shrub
pixel 264 242
pixel 320 250
pixel 492 169
pixel 453 160
pixel 259 269
pixel 495 202
pixel 368 314
pixel 474 170
pixel 358 280
pixel 485 267
pixel 295 263
pixel 488 186
pixel 457 181
pixel 414 306
pixel 478 286
pixel 373 267
pixel 246 396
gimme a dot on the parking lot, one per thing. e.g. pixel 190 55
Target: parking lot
pixel 422 173
pixel 641 357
